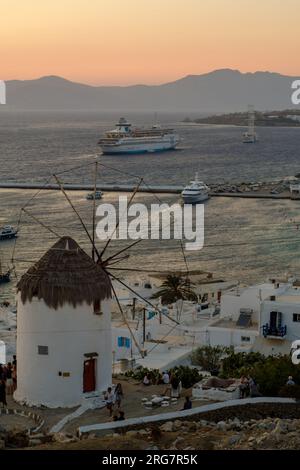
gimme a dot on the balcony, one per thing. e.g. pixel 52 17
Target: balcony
pixel 274 332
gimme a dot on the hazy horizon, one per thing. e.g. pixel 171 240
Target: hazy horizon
pixel 138 42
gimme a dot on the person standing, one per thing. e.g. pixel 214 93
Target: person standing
pixel 290 381
pixel 253 388
pixel 244 387
pixel 109 398
pixel 146 380
pixel 176 387
pixel 118 395
pixel 187 404
pixel 3 392
pixel 166 378
pixel 9 379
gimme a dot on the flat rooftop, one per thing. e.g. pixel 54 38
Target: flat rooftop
pixel 226 323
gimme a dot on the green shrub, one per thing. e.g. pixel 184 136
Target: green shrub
pixel 238 364
pixel 210 358
pixel 187 375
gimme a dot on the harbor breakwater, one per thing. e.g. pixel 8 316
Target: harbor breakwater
pixel 265 190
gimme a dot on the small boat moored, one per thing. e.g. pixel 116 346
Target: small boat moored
pixel 7 232
pixel 195 192
pixel 4 277
pixel 96 195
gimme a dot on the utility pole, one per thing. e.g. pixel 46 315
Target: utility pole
pixel 144 327
pixel 133 307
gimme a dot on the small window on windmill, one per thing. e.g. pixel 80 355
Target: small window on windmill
pixel 43 350
pixel 97 307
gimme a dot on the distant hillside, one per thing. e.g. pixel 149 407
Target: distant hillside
pixel 219 91
pixel 287 117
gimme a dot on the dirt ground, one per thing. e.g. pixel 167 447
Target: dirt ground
pixel 131 405
pixel 10 422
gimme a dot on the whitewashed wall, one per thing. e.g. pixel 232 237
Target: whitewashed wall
pixel 69 333
pixel 287 310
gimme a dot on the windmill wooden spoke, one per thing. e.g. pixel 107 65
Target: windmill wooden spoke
pixel 117 260
pixel 141 297
pixel 40 222
pixel 121 251
pixel 125 320
pixel 118 223
pixel 78 215
pixel 150 271
pixel 94 211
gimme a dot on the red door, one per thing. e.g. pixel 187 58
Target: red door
pixel 89 375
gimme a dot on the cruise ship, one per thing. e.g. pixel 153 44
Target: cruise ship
pixel 195 192
pixel 127 140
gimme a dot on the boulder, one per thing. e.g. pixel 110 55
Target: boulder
pixel 167 427
pixel 222 426
pixel 234 439
pixel 132 433
pixel 35 442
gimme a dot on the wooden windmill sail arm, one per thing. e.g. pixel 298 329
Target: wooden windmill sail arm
pixel 105 262
pixel 77 213
pixel 126 322
pixel 141 297
pixel 118 223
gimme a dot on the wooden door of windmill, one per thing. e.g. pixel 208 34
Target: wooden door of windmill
pixel 89 375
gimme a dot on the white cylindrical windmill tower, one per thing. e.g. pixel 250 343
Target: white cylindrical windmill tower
pixel 64 350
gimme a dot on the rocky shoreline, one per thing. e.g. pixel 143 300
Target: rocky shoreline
pixel 273 188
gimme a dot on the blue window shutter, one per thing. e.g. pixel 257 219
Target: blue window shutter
pixel 127 342
pixel 120 341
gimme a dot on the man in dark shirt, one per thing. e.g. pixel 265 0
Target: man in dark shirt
pixel 187 404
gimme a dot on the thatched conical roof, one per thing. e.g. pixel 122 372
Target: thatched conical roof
pixel 65 274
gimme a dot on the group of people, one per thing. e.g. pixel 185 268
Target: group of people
pixel 8 380
pixel 249 387
pixel 113 399
pixel 172 382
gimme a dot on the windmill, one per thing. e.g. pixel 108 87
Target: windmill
pixel 110 263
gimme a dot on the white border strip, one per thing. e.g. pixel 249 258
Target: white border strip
pixel 179 414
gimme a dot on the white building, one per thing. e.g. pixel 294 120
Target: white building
pixel 264 318
pixel 64 349
pixel 295 189
pixel 280 314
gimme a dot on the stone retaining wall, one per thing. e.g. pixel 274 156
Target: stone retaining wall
pixel 39 421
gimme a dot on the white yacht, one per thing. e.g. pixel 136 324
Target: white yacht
pixel 127 140
pixel 96 195
pixel 195 192
pixel 7 231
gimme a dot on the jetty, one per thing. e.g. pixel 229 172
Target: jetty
pixel 216 190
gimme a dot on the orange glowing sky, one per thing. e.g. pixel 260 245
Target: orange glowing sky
pixel 146 41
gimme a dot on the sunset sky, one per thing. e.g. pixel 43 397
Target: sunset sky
pixel 122 42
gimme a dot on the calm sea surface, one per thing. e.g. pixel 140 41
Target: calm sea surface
pixel 244 239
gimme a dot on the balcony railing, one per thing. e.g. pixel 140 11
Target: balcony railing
pixel 278 332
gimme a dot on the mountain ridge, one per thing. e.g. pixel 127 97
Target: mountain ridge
pixel 222 90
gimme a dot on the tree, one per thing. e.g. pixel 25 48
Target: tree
pixel 175 288
pixel 210 358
